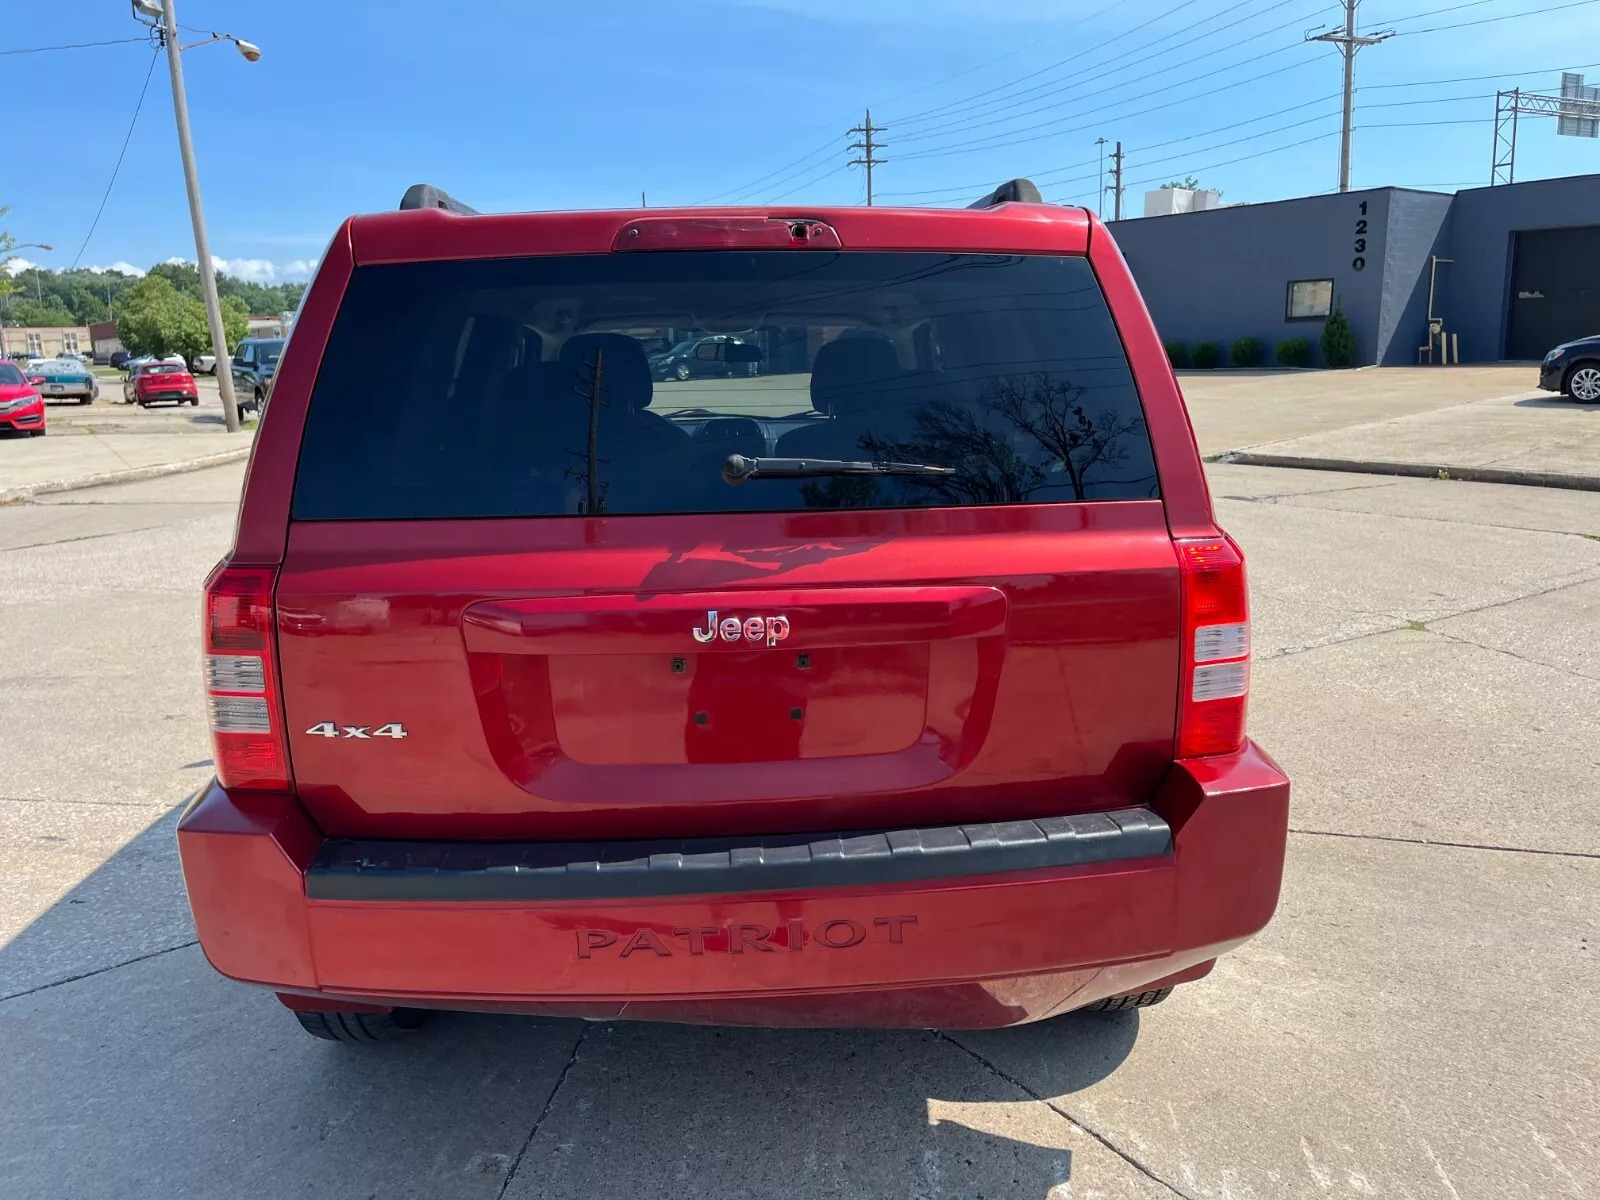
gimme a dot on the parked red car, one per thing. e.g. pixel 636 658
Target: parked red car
pixel 21 405
pixel 153 382
pixel 899 679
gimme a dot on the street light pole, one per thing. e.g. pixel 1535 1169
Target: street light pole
pixel 202 247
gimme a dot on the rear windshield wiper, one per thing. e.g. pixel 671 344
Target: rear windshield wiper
pixel 738 468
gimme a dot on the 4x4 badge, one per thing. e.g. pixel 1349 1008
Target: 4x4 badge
pixel 751 629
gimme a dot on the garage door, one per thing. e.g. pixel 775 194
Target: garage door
pixel 1555 289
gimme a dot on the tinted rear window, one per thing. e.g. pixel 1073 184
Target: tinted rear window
pixel 465 389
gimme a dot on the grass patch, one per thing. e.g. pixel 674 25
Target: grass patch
pixel 1417 626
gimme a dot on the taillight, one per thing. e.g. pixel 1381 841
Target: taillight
pixel 241 679
pixel 1216 647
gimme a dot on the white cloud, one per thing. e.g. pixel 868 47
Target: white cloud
pixel 252 270
pixel 261 270
pixel 127 268
pixel 17 264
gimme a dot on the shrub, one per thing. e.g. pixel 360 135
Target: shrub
pixel 1338 342
pixel 1204 355
pixel 1294 352
pixel 1246 352
pixel 1177 354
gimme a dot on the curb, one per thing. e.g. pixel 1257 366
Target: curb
pixel 27 491
pixel 1548 479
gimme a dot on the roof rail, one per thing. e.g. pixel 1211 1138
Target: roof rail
pixel 1019 191
pixel 425 195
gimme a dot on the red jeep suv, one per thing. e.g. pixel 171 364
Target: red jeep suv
pixel 893 675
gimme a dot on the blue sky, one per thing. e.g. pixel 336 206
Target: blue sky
pixel 554 105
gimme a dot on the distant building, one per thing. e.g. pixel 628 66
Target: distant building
pixel 1163 202
pixel 1510 270
pixel 270 326
pixel 103 336
pixel 41 341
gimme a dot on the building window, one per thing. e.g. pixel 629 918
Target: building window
pixel 69 342
pixel 36 345
pixel 1309 299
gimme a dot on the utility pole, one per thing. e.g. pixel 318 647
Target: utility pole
pixel 868 148
pixel 1100 196
pixel 1349 42
pixel 1116 183
pixel 202 246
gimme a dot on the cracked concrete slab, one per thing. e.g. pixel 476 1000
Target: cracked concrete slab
pixel 163 1080
pixel 714 1113
pixel 1557 629
pixel 1307 589
pixel 1414 735
pixel 1413 1015
pixel 84 888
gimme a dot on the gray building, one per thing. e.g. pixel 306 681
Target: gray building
pixel 1524 273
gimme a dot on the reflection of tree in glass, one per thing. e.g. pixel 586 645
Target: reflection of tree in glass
pixel 1047 410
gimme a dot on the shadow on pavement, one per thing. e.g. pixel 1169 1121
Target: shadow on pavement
pixel 133 1070
pixel 1553 401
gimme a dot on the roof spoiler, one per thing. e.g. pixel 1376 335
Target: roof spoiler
pixel 425 195
pixel 1012 191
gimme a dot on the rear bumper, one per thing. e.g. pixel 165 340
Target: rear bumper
pixel 920 928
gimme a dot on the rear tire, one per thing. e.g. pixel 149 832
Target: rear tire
pixel 194 401
pixel 86 400
pixel 362 1027
pixel 1134 1000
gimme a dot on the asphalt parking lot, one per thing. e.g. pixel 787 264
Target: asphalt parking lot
pixel 1418 1021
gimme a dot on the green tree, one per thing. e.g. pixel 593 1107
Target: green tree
pixel 30 312
pixel 6 242
pixel 1338 339
pixel 156 318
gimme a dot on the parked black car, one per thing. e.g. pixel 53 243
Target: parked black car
pixel 254 361
pixel 1573 368
pixel 119 359
pixel 715 356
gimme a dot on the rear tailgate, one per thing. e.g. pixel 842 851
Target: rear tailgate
pixel 518 603
pixel 1038 680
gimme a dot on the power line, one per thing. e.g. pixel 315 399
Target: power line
pixel 991 119
pixel 74 46
pixel 1372 87
pixel 1008 54
pixel 987 144
pixel 1321 137
pixel 1506 17
pixel 121 154
pixel 800 187
pixel 938 109
pixel 746 188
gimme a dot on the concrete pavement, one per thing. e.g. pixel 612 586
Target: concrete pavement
pixel 1417 1021
pixel 1488 423
pixel 109 441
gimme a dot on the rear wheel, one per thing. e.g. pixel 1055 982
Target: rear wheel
pixel 1133 1000
pixel 87 400
pixel 1583 382
pixel 194 401
pixel 360 1026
